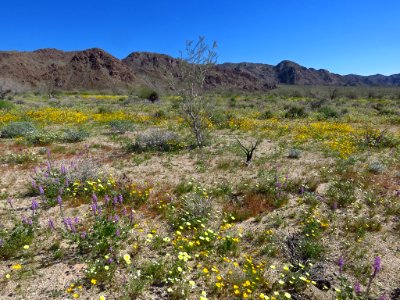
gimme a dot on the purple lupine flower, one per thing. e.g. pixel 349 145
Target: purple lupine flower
pixel 63 169
pixel 41 190
pixel 110 261
pixel 59 200
pixel 9 201
pixel 302 189
pixel 48 165
pixel 30 222
pixel 124 211
pixel 99 210
pixel 51 224
pixel 106 199
pixel 120 198
pixel 116 218
pixel 377 265
pixel 67 223
pixel 35 170
pixel 115 200
pixel 341 264
pixel 66 182
pixel 76 220
pixel 34 185
pixel 83 234
pixel 94 208
pixel 357 288
pixel 118 232
pixel 94 198
pixel 73 229
pixel 34 206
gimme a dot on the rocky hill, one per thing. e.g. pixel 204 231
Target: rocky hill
pixel 95 69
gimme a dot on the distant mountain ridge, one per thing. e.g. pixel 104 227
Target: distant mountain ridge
pixel 95 69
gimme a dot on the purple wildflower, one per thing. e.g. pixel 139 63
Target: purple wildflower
pixel 34 206
pixel 106 199
pixel 34 185
pixel 115 200
pixel 377 265
pixel 118 232
pixel 76 220
pixel 120 198
pixel 94 198
pixel 341 264
pixel 83 234
pixel 357 288
pixel 124 211
pixel 59 200
pixel 51 224
pixel 41 190
pixel 63 169
pixel 30 222
pixel 302 189
pixel 9 201
pixel 116 218
pixel 383 297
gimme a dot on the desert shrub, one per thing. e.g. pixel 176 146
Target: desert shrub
pixel 19 158
pixel 11 242
pixel 54 180
pixel 147 93
pixel 341 194
pixel 6 105
pixel 121 126
pixel 74 135
pixel 266 114
pixel 293 112
pixel 294 153
pixel 42 138
pixel 327 113
pixel 155 140
pixel 361 225
pixel 160 114
pixel 17 129
pixel 376 167
pixel 193 207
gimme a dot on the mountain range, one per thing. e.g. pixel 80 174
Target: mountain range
pixel 95 69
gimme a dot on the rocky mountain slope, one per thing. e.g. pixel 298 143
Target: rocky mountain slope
pixel 95 69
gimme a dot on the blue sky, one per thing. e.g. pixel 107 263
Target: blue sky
pixel 353 36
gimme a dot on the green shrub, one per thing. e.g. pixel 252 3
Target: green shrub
pixel 74 135
pixel 294 153
pixel 328 113
pixel 17 129
pixel 293 112
pixel 155 140
pixel 11 242
pixel 121 126
pixel 266 114
pixel 341 194
pixel 376 167
pixel 6 105
pixel 147 93
pixel 41 138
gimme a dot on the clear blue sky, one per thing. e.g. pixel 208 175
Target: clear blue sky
pixel 343 36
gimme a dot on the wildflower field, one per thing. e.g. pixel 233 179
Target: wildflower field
pixel 105 197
